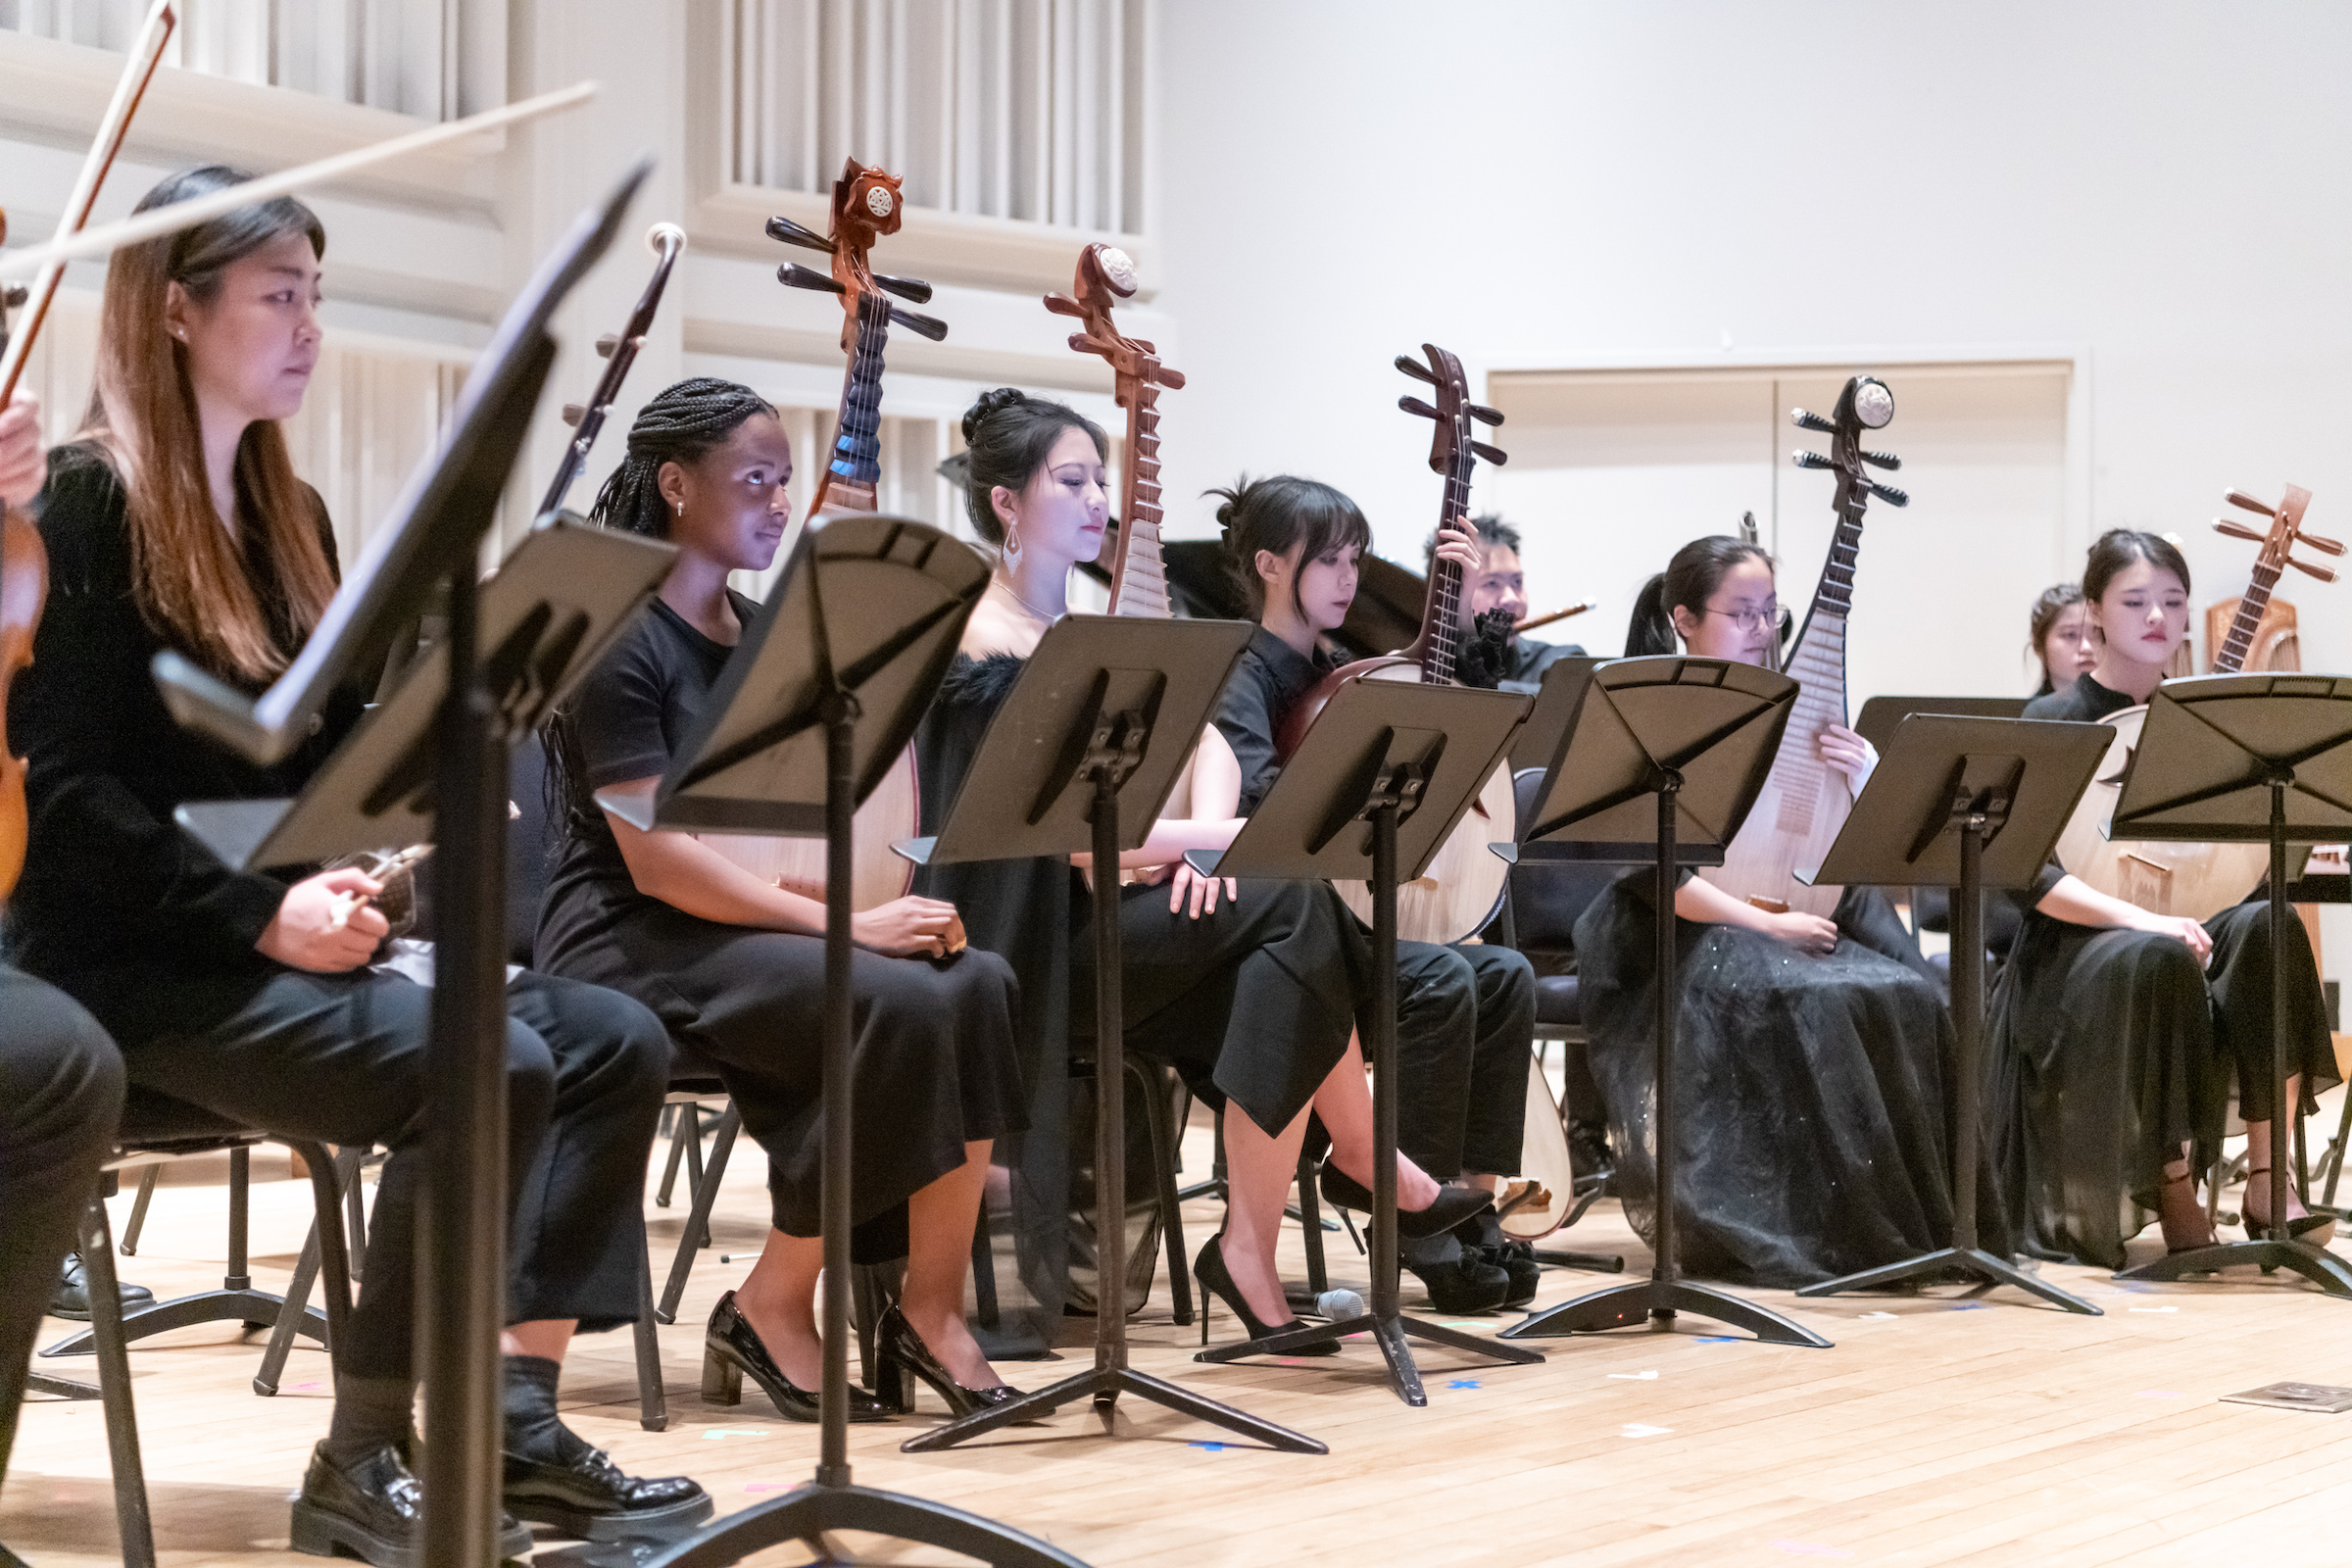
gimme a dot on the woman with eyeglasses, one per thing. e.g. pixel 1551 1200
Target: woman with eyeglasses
pixel 1811 1052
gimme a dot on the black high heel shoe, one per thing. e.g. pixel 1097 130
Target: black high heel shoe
pixel 731 1347
pixel 1211 1270
pixel 2297 1228
pixel 900 1351
pixel 1456 1203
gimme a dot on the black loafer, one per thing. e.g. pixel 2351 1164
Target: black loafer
pixel 592 1499
pixel 374 1511
pixel 1469 1285
pixel 1456 1203
pixel 70 1299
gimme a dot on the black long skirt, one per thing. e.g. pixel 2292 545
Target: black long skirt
pixel 1814 1094
pixel 934 1062
pixel 2109 1049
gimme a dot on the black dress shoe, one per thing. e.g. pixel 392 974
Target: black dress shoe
pixel 1483 1239
pixel 731 1347
pixel 72 1298
pixel 1455 1203
pixel 592 1499
pixel 374 1510
pixel 1468 1284
pixel 1217 1280
pixel 904 1356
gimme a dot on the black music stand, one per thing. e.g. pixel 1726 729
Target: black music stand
pixel 1881 714
pixel 1082 755
pixel 2248 758
pixel 1660 767
pixel 1384 775
pixel 431 543
pixel 813 707
pixel 1558 698
pixel 1948 794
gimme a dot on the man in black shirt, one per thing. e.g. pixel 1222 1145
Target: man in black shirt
pixel 1500 583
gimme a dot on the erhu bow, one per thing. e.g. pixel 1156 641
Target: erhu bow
pixel 620 353
pixel 24 560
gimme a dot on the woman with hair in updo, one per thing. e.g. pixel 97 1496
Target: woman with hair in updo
pixel 735 965
pixel 1250 988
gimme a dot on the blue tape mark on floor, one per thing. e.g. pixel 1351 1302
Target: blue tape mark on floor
pixel 1464 1382
pixel 1967 1307
pixel 1719 1339
pixel 1212 1448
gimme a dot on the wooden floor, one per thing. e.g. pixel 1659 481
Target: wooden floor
pixel 1940 1430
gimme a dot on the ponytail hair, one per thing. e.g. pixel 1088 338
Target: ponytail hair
pixel 680 423
pixel 1689 581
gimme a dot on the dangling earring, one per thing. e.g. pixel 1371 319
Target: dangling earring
pixel 1012 541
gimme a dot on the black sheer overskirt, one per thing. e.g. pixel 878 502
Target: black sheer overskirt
pixel 2109 1049
pixel 1814 1094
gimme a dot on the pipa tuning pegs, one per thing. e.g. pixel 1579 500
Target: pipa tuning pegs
pixel 930 326
pixel 1063 305
pixel 1482 413
pixel 1890 494
pixel 1811 421
pixel 792 233
pixel 1415 369
pixel 1413 404
pixel 2238 530
pixel 2325 547
pixel 1882 460
pixel 2324 574
pixel 1487 454
pixel 792 275
pixel 574 414
pixel 2238 498
pixel 913 290
pixel 1810 459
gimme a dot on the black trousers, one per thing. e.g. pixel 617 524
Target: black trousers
pixel 61 1094
pixel 934 1064
pixel 1465 1027
pixel 1253 1000
pixel 340 1058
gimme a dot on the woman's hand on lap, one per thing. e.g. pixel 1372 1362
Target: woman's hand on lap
pixel 906 928
pixel 1202 891
pixel 2192 932
pixel 317 929
pixel 1806 933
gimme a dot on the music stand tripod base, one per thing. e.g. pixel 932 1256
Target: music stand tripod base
pixel 1385 757
pixel 809 1513
pixel 1096 727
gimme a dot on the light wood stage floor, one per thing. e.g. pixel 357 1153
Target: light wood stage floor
pixel 1940 1429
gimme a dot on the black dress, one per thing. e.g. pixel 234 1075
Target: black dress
pixel 2107 1050
pixel 1815 1093
pixel 934 1055
pixel 1253 1002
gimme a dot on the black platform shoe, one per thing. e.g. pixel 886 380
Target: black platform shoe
pixel 1455 1203
pixel 1482 1238
pixel 1456 1277
pixel 731 1347
pixel 374 1510
pixel 1217 1280
pixel 904 1356
pixel 70 1299
pixel 590 1499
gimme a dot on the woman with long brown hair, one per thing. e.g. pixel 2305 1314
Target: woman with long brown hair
pixel 176 522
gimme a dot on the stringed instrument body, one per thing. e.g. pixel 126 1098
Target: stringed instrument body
pixel 1805 801
pixel 1138 574
pixel 1462 888
pixel 866 206
pixel 2194 880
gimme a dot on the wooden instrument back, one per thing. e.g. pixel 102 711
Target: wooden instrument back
pixel 867 205
pixel 1805 801
pixel 2194 880
pixel 1463 886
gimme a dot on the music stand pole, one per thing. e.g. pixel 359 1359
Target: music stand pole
pixel 1948 790
pixel 1110 736
pixel 1368 759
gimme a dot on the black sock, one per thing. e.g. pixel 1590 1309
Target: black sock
pixel 533 1429
pixel 368 1412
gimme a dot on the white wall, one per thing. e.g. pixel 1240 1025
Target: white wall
pixel 2155 188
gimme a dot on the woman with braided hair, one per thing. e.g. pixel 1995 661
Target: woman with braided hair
pixel 736 966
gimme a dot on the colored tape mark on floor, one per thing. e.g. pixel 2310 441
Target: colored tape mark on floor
pixel 1876 1317
pixel 1635 1429
pixel 1807 1549
pixel 1465 1382
pixel 1636 1377
pixel 1211 1448
pixel 716 1433
pixel 1718 1338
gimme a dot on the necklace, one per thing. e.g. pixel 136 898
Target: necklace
pixel 1006 583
